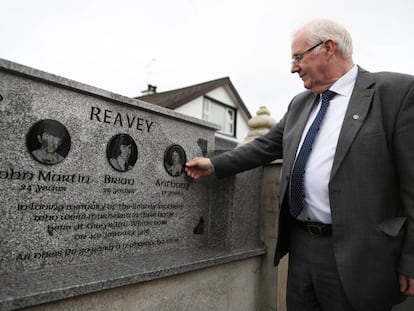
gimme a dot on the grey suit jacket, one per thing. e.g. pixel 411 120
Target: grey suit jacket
pixel 371 187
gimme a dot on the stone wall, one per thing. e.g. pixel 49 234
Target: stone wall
pixel 228 287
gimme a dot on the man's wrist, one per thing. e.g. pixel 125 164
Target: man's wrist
pixel 213 170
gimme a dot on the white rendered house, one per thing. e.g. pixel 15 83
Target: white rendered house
pixel 216 101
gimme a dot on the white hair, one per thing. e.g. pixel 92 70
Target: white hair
pixel 323 29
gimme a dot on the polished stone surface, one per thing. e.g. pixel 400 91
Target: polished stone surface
pixel 77 217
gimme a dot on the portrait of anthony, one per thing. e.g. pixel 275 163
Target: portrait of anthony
pixel 174 160
pixel 48 141
pixel 122 152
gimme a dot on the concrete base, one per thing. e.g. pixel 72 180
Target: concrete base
pixel 227 287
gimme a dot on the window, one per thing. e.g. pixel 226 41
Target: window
pixel 222 115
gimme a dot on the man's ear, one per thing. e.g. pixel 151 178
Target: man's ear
pixel 329 46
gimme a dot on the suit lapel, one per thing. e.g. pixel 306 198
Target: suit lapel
pixel 355 116
pixel 299 120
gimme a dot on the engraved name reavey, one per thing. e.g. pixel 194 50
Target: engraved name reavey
pixel 120 119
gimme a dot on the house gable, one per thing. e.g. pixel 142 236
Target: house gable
pixel 192 99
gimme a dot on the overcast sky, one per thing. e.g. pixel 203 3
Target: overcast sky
pixel 122 45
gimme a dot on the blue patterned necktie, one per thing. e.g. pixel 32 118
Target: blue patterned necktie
pixel 297 193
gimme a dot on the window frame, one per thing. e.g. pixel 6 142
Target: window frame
pixel 226 108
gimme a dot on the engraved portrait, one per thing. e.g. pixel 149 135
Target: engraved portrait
pixel 174 160
pixel 48 141
pixel 122 152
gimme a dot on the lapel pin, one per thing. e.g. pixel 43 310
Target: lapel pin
pixel 355 117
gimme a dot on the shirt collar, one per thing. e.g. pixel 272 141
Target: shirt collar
pixel 121 162
pixel 345 84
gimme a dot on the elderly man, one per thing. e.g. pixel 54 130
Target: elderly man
pixel 347 188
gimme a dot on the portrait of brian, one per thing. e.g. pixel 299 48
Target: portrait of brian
pixel 122 152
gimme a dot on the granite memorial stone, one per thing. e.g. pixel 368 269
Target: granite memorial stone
pixel 94 194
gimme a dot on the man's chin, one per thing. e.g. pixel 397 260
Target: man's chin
pixel 307 86
pixel 306 83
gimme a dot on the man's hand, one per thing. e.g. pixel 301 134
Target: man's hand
pixel 406 285
pixel 199 167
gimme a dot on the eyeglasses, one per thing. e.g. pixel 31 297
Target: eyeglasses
pixel 298 57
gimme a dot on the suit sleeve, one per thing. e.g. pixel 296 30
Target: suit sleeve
pixel 260 151
pixel 404 160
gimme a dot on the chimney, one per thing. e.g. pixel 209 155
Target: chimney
pixel 152 89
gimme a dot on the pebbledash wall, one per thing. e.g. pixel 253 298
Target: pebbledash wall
pixel 97 214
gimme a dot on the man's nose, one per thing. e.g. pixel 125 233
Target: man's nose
pixel 294 68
